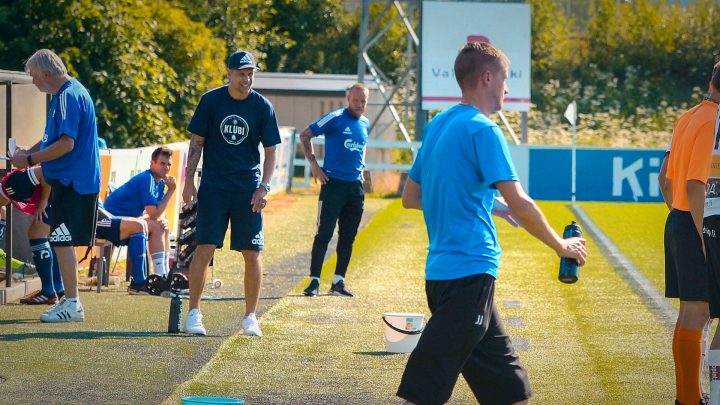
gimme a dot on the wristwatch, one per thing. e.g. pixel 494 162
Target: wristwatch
pixel 265 186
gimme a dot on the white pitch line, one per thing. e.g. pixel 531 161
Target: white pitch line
pixel 627 270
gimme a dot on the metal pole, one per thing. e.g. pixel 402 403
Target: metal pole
pixel 291 160
pixel 420 114
pixel 524 130
pixel 8 210
pixel 363 39
pixel 573 165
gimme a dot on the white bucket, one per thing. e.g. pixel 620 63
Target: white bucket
pixel 402 331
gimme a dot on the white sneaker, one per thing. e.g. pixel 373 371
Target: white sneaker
pixel 250 326
pixel 64 311
pixel 193 323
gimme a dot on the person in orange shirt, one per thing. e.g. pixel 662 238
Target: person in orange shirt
pixel 686 271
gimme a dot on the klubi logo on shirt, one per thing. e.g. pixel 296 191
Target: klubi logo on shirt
pixel 234 129
pixel 353 146
pixel 61 234
pixel 259 239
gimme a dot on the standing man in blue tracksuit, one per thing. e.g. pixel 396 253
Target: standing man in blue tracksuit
pixel 71 165
pixel 341 195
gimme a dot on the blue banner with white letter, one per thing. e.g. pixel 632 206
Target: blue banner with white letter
pixel 602 174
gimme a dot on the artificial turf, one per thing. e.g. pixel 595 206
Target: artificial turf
pixel 122 353
pixel 592 342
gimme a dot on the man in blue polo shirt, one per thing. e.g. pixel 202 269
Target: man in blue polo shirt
pixel 228 126
pixel 144 196
pixel 71 165
pixel 341 198
pixel 463 163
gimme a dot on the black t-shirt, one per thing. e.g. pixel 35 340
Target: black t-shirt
pixel 233 130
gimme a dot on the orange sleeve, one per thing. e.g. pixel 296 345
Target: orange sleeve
pixel 701 154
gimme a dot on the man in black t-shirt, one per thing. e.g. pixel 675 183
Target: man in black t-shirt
pixel 229 124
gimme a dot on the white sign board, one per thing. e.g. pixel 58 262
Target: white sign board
pixel 447 26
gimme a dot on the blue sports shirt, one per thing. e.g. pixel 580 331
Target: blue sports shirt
pixel 345 139
pixel 463 155
pixel 130 199
pixel 72 113
pixel 233 130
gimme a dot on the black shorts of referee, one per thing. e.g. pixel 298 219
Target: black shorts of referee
pixel 465 335
pixel 686 274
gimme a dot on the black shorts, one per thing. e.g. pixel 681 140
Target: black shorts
pixel 73 216
pixel 711 235
pixel 109 229
pixel 686 275
pixel 464 335
pixel 216 208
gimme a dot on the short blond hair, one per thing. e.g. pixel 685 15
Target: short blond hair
pixel 358 86
pixel 475 58
pixel 45 60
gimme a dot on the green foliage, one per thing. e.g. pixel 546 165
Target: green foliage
pixel 144 64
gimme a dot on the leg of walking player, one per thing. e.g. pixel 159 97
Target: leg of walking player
pixel 198 272
pixel 253 283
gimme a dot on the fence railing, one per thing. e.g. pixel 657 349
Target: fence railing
pixel 298 159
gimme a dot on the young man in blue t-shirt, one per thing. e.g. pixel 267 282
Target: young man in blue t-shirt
pixel 462 164
pixel 228 126
pixel 71 165
pixel 341 198
pixel 144 196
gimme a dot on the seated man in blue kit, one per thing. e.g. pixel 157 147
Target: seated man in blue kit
pixel 144 197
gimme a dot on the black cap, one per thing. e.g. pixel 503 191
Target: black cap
pixel 242 60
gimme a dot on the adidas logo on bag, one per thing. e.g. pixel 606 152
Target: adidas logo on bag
pixel 61 234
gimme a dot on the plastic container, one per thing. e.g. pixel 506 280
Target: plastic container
pixel 402 331
pixel 212 400
pixel 570 268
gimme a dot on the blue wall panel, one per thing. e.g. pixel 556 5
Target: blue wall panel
pixel 602 174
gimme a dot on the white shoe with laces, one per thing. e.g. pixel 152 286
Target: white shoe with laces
pixel 193 323
pixel 64 311
pixel 250 325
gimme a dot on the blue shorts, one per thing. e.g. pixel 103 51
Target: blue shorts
pixel 218 207
pixel 109 229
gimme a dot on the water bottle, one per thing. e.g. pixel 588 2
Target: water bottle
pixel 175 314
pixel 569 267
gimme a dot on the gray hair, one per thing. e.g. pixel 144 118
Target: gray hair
pixel 46 60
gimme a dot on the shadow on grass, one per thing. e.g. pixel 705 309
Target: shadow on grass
pixel 89 335
pixel 17 321
pixel 383 354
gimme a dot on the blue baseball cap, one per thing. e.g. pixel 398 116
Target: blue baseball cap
pixel 242 60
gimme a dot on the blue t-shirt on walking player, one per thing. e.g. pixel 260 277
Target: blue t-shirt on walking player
pixel 130 199
pixel 72 113
pixel 233 130
pixel 345 139
pixel 463 155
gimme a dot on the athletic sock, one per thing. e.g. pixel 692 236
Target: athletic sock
pixel 137 245
pixel 315 278
pixel 690 355
pixel 56 276
pixel 714 365
pixel 679 388
pixel 338 278
pixel 42 256
pixel 159 263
